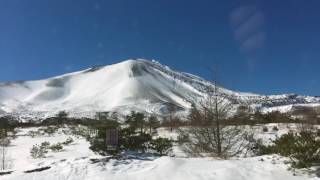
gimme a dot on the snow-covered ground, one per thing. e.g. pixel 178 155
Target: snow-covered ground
pixel 19 150
pixel 262 168
pixel 75 162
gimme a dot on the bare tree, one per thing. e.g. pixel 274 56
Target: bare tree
pixel 5 161
pixel 172 109
pixel 152 123
pixel 217 138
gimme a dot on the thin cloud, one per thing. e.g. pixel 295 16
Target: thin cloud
pixel 240 14
pixel 253 42
pixel 247 23
pixel 254 24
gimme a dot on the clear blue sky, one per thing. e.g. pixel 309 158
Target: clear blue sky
pixel 269 46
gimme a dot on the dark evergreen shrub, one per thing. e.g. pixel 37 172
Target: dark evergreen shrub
pixel 275 128
pixel 161 145
pixel 265 129
pixel 56 147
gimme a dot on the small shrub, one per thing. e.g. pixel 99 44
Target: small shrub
pixel 45 145
pixel 182 137
pixel 137 142
pixel 38 151
pixel 161 145
pixel 302 148
pixel 285 145
pixel 130 140
pixel 260 149
pixel 68 141
pixel 34 133
pixel 50 130
pixel 80 132
pixel 56 147
pixel 275 128
pixel 98 145
pixel 265 129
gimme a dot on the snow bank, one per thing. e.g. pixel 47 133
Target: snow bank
pixel 262 168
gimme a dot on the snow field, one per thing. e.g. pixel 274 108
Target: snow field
pixel 75 162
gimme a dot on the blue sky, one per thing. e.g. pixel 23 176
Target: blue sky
pixel 268 47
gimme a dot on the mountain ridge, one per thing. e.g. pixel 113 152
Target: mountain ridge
pixel 139 85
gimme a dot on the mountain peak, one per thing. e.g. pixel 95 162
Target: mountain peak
pixel 134 84
pixel 139 85
pixel 130 65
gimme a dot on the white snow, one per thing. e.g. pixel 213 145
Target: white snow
pixel 165 168
pixel 139 85
pixel 131 84
pixel 20 148
pixel 75 163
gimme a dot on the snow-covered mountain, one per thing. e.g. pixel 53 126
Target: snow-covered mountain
pixel 139 85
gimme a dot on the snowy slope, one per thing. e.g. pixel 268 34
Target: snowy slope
pixel 139 85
